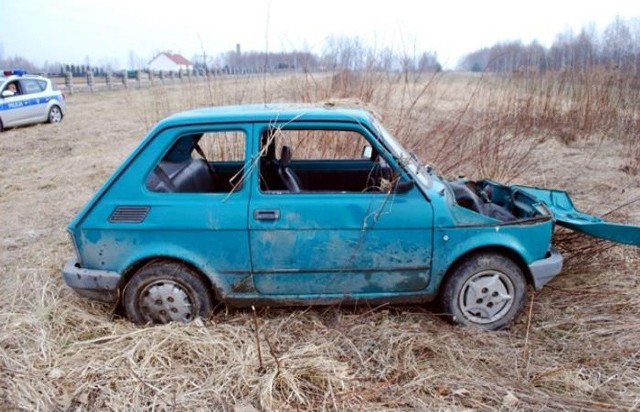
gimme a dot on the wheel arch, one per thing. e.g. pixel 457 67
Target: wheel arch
pixel 128 273
pixel 511 254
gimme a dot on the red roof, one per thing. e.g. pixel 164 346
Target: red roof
pixel 177 58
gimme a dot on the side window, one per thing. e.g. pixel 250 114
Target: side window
pixel 13 87
pixel 222 146
pixel 31 86
pixel 211 162
pixel 321 144
pixel 320 160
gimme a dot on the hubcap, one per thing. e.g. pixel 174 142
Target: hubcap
pixel 166 301
pixel 55 116
pixel 486 297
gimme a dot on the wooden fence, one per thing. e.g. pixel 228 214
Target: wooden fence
pixel 90 82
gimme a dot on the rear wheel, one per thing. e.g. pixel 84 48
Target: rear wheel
pixel 486 291
pixel 55 115
pixel 163 292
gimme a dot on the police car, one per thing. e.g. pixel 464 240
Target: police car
pixel 27 99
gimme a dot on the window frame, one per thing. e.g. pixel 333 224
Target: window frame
pixel 379 150
pixel 182 133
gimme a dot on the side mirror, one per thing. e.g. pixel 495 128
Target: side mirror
pixel 402 186
pixel 8 93
pixel 367 152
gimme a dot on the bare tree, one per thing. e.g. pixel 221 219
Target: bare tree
pixel 618 45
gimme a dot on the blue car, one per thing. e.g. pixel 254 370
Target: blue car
pixel 299 205
pixel 28 99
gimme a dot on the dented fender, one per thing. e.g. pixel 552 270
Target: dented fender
pixel 529 240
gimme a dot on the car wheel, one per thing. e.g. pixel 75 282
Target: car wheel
pixel 486 291
pixel 163 292
pixel 55 115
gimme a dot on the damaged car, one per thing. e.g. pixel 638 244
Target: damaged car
pixel 297 205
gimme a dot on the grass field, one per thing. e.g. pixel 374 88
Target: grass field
pixel 575 347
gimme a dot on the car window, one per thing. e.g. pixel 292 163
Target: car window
pixel 221 146
pixel 305 160
pixel 13 86
pixel 211 162
pixel 321 144
pixel 31 86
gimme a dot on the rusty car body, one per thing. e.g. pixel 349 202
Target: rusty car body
pixel 300 205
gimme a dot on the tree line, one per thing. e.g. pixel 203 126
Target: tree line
pixel 340 52
pixel 616 48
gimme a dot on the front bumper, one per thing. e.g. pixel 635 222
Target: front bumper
pixel 543 270
pixel 94 284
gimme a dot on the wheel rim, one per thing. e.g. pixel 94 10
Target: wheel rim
pixel 166 301
pixel 55 115
pixel 486 296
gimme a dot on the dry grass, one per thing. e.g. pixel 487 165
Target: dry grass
pixel 575 349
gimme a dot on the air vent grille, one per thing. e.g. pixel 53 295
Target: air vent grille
pixel 129 214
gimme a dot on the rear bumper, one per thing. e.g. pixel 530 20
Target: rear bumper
pixel 543 270
pixel 94 284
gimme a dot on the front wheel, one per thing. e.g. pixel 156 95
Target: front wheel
pixel 55 115
pixel 486 291
pixel 163 292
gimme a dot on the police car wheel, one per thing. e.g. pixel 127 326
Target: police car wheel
pixel 55 115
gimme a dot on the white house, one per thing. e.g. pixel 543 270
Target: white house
pixel 170 62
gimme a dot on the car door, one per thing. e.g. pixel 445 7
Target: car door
pixel 13 108
pixel 333 238
pixel 33 100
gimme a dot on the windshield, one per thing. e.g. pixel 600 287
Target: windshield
pixel 406 159
pixel 397 149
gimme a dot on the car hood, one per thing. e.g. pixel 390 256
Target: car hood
pixel 565 214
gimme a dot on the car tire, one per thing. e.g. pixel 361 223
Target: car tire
pixel 55 115
pixel 486 291
pixel 163 292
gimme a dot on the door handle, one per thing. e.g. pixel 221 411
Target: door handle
pixel 266 214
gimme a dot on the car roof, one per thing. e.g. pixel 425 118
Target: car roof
pixel 23 76
pixel 267 113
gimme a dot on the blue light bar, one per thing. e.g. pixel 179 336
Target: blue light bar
pixel 15 72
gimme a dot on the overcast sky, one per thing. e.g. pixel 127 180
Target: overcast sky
pixel 109 31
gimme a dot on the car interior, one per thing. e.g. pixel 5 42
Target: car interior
pixel 186 169
pixel 286 173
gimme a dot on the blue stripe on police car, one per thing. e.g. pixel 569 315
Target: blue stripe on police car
pixel 23 103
